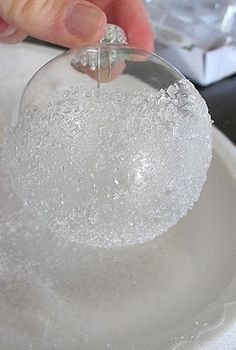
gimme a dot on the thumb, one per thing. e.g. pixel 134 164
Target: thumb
pixel 70 23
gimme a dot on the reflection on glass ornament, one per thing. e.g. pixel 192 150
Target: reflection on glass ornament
pixel 112 144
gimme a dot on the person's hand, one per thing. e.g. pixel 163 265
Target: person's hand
pixel 72 23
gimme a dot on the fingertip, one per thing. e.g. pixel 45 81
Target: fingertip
pixel 142 37
pixel 14 37
pixel 132 17
pixel 85 22
pixel 69 23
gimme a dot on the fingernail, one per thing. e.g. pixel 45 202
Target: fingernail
pixel 84 20
pixel 5 29
pixel 8 32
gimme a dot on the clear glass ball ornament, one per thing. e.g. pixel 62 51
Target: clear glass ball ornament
pixel 112 144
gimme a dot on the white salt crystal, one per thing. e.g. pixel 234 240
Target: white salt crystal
pixel 111 159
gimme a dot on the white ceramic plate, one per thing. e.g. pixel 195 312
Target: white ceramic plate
pixel 176 292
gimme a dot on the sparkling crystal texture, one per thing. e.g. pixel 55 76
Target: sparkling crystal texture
pixel 115 165
pixel 114 169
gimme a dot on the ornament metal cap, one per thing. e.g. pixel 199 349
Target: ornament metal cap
pixel 93 58
pixel 114 35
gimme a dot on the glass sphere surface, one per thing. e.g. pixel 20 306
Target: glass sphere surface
pixel 111 147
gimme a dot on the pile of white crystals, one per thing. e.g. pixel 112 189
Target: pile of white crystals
pixel 108 169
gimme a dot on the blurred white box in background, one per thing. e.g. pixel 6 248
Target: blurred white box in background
pixel 197 37
pixel 203 67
